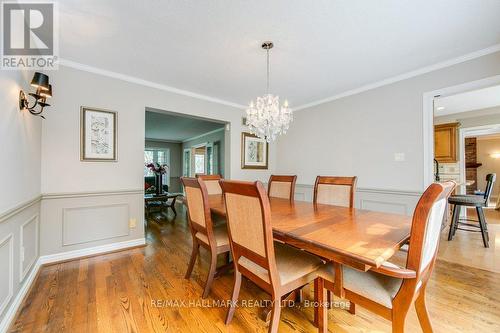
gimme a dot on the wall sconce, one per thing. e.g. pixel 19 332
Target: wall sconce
pixel 43 91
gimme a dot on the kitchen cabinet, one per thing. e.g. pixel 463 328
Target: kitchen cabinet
pixel 445 142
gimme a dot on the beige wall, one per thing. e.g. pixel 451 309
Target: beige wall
pixel 20 140
pixel 485 147
pixel 72 184
pixel 359 134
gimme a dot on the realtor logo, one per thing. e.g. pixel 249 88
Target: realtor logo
pixel 29 36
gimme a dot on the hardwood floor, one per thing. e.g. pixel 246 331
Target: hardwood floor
pixel 127 291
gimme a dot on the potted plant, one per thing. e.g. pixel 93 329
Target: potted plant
pixel 159 171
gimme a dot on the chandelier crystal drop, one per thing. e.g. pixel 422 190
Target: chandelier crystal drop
pixel 265 117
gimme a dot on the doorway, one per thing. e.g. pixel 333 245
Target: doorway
pixel 188 145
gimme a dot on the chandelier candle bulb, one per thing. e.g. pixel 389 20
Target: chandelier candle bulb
pixel 266 118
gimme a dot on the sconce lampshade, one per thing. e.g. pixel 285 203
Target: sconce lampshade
pixel 40 80
pixel 46 93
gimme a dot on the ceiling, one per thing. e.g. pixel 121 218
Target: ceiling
pixel 468 101
pixel 175 128
pixel 322 48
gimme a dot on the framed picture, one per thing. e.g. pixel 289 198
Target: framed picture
pixel 98 135
pixel 254 152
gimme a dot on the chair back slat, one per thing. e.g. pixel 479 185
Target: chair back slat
pixel 490 179
pixel 426 227
pixel 194 198
pixel 249 225
pixel 338 191
pixel 281 186
pixel 212 183
pixel 198 208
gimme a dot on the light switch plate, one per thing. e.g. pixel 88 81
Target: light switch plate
pixel 132 223
pixel 399 157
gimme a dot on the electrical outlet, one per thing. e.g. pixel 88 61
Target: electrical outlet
pixel 399 157
pixel 132 223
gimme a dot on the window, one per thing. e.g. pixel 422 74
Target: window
pixel 199 163
pixel 158 155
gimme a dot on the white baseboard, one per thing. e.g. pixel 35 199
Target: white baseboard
pixel 50 258
pixel 12 309
pixel 47 259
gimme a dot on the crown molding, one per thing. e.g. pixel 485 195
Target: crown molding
pixel 401 77
pixel 202 135
pixel 146 83
pixel 374 85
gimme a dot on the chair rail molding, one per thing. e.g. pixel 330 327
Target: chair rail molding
pixel 19 208
pixel 385 200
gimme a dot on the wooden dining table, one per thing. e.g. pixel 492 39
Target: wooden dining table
pixel 359 238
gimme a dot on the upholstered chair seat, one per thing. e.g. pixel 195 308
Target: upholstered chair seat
pixel 375 286
pixel 220 235
pixel 292 264
pixel 467 200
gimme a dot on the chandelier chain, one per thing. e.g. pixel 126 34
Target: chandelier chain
pixel 268 71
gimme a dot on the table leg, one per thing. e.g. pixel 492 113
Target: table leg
pixel 321 310
pixel 339 280
pixel 173 206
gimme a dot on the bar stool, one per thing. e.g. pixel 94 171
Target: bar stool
pixel 478 201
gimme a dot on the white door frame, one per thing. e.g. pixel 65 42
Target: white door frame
pixel 471 132
pixel 428 119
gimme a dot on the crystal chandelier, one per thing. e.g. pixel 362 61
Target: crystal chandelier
pixel 266 118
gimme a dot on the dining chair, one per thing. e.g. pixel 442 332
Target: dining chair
pixel 276 268
pixel 280 186
pixel 212 183
pixel 472 200
pixel 389 290
pixel 214 239
pixel 338 191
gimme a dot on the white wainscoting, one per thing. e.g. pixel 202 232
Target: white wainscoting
pixel 35 230
pixel 391 201
pixel 93 223
pixel 78 221
pixel 28 245
pixel 19 234
pixel 7 269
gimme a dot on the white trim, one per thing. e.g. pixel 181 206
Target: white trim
pixel 101 249
pixel 9 241
pixel 428 119
pixel 23 272
pixel 161 141
pixel 401 77
pixel 146 83
pixel 19 208
pixel 64 195
pixel 202 135
pixel 371 190
pixel 16 303
pixel 471 132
